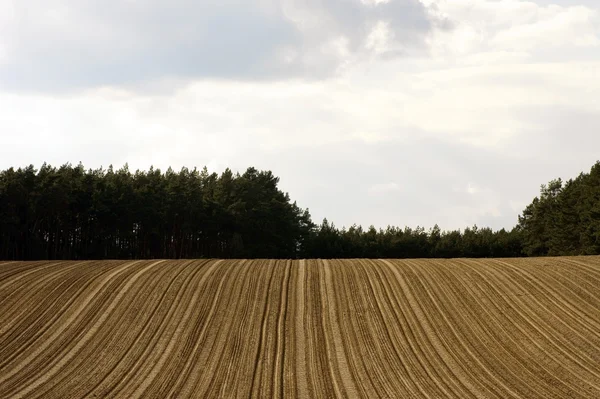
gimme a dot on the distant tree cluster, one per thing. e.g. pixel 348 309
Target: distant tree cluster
pixel 73 213
pixel 329 242
pixel 565 218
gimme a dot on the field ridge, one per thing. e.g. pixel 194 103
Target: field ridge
pixel 360 328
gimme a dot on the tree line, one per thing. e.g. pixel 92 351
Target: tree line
pixel 327 241
pixel 73 213
pixel 565 218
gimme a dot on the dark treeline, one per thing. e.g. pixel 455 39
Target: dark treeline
pixel 73 213
pixel 565 218
pixel 329 242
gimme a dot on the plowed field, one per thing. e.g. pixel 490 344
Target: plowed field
pixel 522 328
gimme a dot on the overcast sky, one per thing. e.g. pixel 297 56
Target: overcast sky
pixel 401 112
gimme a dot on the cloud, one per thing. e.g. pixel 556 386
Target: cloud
pixel 384 188
pixel 360 126
pixel 65 44
pixel 540 30
pixel 576 26
pixel 472 189
pixel 310 135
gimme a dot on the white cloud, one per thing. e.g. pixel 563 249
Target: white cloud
pixel 503 101
pixel 67 44
pixel 558 26
pixel 384 188
pixel 512 26
pixel 472 189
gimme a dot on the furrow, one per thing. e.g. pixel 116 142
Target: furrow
pixel 587 300
pixel 468 384
pixel 417 328
pixel 538 338
pixel 394 344
pixel 343 380
pixel 205 319
pixel 264 357
pixel 9 269
pixel 69 325
pixel 89 333
pixel 472 314
pixel 236 360
pixel 19 271
pixel 352 322
pixel 591 265
pixel 430 374
pixel 535 378
pixel 141 378
pixel 281 350
pixel 17 294
pixel 56 320
pixel 574 327
pixel 27 307
pixel 130 359
pixel 370 344
pixel 210 362
pixel 300 326
pixel 116 337
pixel 457 340
pixel 549 329
pixel 320 379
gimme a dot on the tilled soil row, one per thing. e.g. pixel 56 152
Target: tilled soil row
pixel 460 328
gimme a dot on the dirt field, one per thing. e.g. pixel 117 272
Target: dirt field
pixel 524 328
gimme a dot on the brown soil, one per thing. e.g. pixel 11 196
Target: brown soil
pixel 461 328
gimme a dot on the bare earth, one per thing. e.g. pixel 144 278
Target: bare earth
pixel 520 328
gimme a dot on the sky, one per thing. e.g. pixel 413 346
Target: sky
pixel 374 112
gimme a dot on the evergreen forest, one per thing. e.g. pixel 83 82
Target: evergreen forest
pixel 69 212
